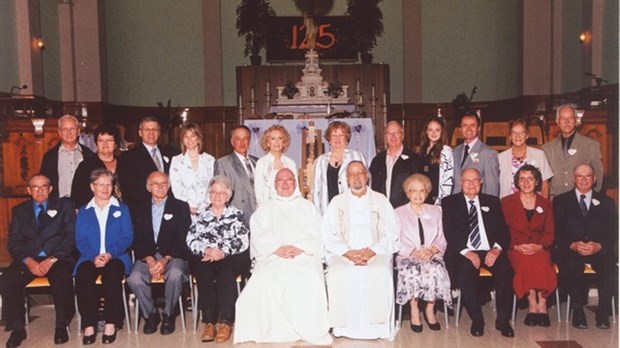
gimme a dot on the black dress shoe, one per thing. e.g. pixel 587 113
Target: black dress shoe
pixel 416 328
pixel 477 329
pixel 86 340
pixel 602 322
pixel 107 339
pixel 579 319
pixel 435 326
pixel 543 320
pixel 167 326
pixel 505 329
pixel 16 338
pixel 150 326
pixel 61 335
pixel 531 319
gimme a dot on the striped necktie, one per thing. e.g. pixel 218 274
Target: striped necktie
pixel 474 235
pixel 156 159
pixel 583 206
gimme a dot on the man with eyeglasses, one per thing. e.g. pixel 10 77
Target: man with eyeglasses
pixel 586 233
pixel 161 225
pixel 569 149
pixel 477 236
pixel 61 161
pixel 41 243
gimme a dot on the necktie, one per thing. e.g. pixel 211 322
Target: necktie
pixel 474 235
pixel 583 206
pixel 250 171
pixel 40 215
pixel 465 154
pixel 156 160
pixel 421 231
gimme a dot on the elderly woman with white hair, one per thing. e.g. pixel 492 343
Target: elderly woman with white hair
pixel 218 240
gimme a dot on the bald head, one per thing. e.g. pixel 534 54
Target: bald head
pixel 157 184
pixel 285 182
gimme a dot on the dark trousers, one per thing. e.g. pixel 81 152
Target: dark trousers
pixel 88 297
pixel 217 289
pixel 468 279
pixel 576 284
pixel 13 288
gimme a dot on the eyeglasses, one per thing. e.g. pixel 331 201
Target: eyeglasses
pixel 471 181
pixel 106 185
pixel 68 129
pixel 159 184
pixel 150 130
pixel 527 179
pixel 581 177
pixel 218 193
pixel 40 188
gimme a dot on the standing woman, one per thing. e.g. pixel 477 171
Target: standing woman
pixel 218 240
pixel 103 235
pixel 107 140
pixel 438 163
pixel 529 217
pixel 422 273
pixel 191 171
pixel 275 141
pixel 517 156
pixel 330 169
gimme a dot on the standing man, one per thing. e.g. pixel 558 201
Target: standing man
pixel 41 243
pixel 570 149
pixel 161 225
pixel 360 234
pixel 390 168
pixel 477 237
pixel 586 232
pixel 138 163
pixel 61 161
pixel 475 154
pixel 239 168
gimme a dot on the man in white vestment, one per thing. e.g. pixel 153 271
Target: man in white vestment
pixel 360 234
pixel 285 299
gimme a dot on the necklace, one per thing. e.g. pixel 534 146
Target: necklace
pixel 112 161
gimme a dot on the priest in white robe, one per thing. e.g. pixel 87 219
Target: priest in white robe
pixel 285 299
pixel 361 235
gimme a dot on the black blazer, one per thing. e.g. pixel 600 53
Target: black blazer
pixel 49 165
pixel 172 232
pixel 402 169
pixel 56 238
pixel 600 225
pixel 134 167
pixel 456 227
pixel 81 193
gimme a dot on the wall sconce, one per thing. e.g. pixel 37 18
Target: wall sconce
pixel 39 43
pixel 38 127
pixel 584 37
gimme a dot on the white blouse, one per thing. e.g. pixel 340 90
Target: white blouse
pixel 265 176
pixel 191 185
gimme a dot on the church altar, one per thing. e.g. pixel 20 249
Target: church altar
pixel 362 135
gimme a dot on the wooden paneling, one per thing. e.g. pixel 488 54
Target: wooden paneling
pixel 6 204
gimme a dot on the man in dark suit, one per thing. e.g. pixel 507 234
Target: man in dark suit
pixel 477 237
pixel 41 243
pixel 586 232
pixel 390 168
pixel 473 153
pixel 61 161
pixel 136 164
pixel 161 225
pixel 239 168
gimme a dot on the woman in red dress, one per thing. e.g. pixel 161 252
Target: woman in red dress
pixel 529 217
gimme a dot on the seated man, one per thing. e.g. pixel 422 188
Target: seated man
pixel 161 224
pixel 285 299
pixel 477 237
pixel 586 232
pixel 360 234
pixel 41 243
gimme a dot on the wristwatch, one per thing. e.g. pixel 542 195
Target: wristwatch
pixel 53 259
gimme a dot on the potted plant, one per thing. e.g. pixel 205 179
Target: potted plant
pixel 253 23
pixel 366 24
pixel 334 89
pixel 290 90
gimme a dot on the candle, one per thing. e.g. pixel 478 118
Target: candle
pixel 240 101
pixel 267 87
pixel 357 85
pixel 372 91
pixel 252 93
pixel 384 99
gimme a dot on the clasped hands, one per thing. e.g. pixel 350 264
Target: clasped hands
pixel 489 259
pixel 528 249
pixel 212 255
pixel 157 268
pixel 102 259
pixel 288 251
pixel 39 269
pixel 360 257
pixel 585 248
pixel 424 254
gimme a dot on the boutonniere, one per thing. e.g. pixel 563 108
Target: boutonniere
pixel 572 151
pixel 485 209
pixel 52 213
pixel 404 157
pixel 168 216
pixel 473 155
pixel 595 201
pixel 539 210
pixel 116 214
pixel 166 159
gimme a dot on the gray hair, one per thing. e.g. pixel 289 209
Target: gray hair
pixel 68 117
pixel 224 181
pixel 99 172
pixel 568 105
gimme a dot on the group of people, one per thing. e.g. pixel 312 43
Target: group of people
pixel 320 266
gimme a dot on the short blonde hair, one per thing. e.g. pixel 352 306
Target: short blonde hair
pixel 264 139
pixel 421 178
pixel 343 126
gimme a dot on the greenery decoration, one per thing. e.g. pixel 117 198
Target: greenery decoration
pixel 253 23
pixel 367 26
pixel 290 90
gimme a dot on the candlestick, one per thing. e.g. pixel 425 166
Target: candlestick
pixel 252 93
pixel 357 85
pixel 372 91
pixel 384 99
pixel 240 101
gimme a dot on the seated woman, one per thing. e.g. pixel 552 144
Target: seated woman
pixel 285 300
pixel 529 217
pixel 275 140
pixel 103 235
pixel 422 274
pixel 218 239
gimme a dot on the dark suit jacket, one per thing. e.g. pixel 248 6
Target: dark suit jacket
pixel 57 238
pixel 456 228
pixel 243 197
pixel 80 188
pixel 600 225
pixel 172 232
pixel 402 169
pixel 49 165
pixel 134 167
